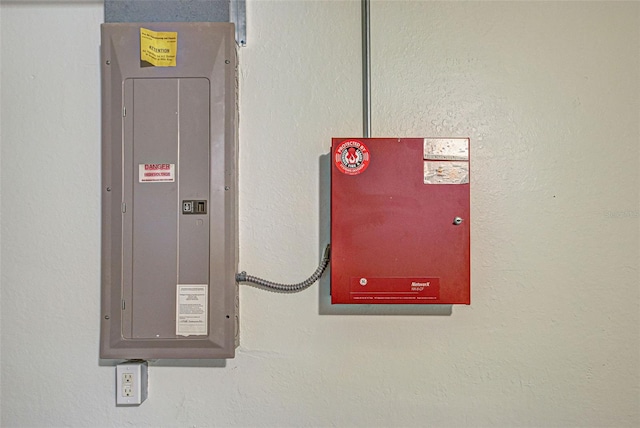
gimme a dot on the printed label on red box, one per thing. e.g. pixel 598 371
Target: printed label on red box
pixel 157 173
pixel 392 290
pixel 446 149
pixel 191 309
pixel 446 172
pixel 352 157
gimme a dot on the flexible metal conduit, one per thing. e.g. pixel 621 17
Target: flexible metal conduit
pixel 287 288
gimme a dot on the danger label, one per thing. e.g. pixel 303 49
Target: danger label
pixel 351 157
pixel 156 172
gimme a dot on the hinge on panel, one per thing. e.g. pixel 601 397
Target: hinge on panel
pixel 124 111
pixel 123 305
pixel 124 208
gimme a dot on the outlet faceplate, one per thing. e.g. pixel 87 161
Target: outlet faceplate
pixel 131 383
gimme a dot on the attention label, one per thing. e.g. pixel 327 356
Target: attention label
pixel 352 157
pixel 157 172
pixel 191 309
pixel 159 48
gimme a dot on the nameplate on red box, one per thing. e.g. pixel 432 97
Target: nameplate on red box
pixel 393 290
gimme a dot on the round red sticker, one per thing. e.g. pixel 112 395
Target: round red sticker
pixel 351 157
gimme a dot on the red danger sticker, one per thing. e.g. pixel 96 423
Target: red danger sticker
pixel 351 157
pixel 156 172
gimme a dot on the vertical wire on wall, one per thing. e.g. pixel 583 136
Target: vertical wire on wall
pixel 366 69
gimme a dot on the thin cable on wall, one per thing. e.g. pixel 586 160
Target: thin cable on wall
pixel 366 70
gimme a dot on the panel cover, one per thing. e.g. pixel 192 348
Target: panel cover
pixel 400 221
pixel 169 135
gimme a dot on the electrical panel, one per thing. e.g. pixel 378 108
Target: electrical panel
pixel 400 221
pixel 169 191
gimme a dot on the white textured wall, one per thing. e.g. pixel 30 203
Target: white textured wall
pixel 549 94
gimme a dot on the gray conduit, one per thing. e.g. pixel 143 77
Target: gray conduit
pixel 287 288
pixel 366 69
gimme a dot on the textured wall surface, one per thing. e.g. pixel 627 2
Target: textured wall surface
pixel 549 94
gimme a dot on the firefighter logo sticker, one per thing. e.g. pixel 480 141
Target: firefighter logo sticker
pixel 351 157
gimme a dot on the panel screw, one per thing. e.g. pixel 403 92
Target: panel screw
pixel 363 281
pixel 106 317
pixel 457 221
pixel 226 61
pixel 108 189
pixel 108 62
pixel 226 187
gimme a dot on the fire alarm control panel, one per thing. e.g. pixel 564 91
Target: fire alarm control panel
pixel 400 221
pixel 169 227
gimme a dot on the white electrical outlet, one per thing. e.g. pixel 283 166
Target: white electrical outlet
pixel 131 383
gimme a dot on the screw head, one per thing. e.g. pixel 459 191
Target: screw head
pixel 106 317
pixel 226 61
pixel 457 221
pixel 363 281
pixel 108 62
pixel 108 189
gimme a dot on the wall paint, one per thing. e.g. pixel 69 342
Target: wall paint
pixel 549 94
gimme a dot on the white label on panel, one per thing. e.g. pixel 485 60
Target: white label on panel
pixel 157 172
pixel 446 149
pixel 191 309
pixel 446 172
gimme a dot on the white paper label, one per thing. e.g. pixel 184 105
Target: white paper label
pixel 447 172
pixel 191 309
pixel 446 149
pixel 157 172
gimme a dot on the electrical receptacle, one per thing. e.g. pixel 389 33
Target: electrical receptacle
pixel 131 383
pixel 127 385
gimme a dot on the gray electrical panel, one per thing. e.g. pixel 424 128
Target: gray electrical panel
pixel 169 191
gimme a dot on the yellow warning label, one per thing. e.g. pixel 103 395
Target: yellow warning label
pixel 158 48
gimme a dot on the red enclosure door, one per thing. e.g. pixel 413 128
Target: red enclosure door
pixel 400 221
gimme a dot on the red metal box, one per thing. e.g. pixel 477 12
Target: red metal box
pixel 400 221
